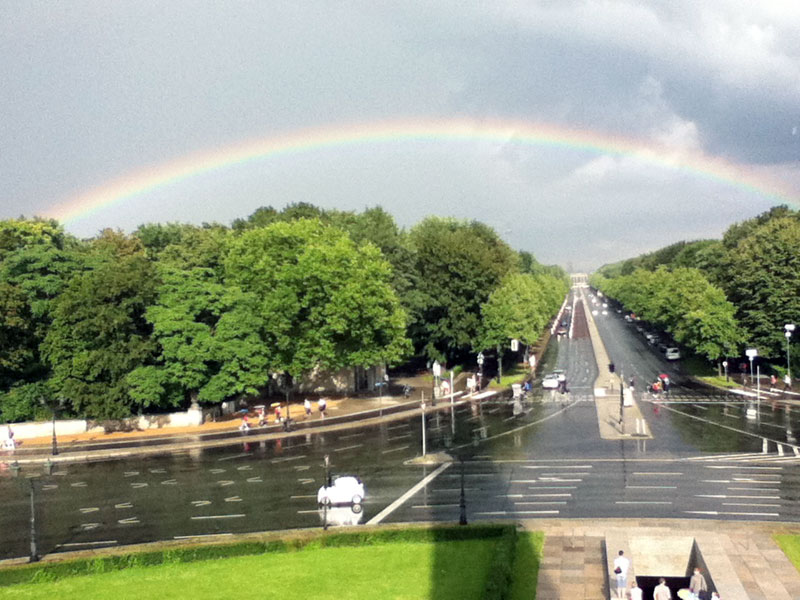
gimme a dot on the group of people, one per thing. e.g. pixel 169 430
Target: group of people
pixel 698 587
pixel 661 384
pixel 322 407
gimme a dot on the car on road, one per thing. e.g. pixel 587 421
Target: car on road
pixel 550 381
pixel 672 354
pixel 344 490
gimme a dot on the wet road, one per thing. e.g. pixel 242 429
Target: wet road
pixel 705 461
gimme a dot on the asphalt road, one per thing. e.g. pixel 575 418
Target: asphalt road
pixel 705 460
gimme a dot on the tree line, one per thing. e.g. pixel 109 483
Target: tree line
pixel 719 296
pixel 173 313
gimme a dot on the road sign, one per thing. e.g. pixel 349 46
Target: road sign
pixel 514 345
pixel 751 353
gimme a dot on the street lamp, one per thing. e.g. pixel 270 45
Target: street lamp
pixel 480 369
pixel 54 407
pixel 787 331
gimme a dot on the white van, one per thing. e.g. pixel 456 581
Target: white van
pixel 672 354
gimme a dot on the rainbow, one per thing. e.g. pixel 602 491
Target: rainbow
pixel 416 131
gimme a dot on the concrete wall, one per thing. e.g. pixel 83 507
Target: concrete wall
pixel 24 431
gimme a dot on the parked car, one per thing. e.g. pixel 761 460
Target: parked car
pixel 672 354
pixel 629 318
pixel 344 490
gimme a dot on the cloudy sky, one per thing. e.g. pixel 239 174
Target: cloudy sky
pixel 667 120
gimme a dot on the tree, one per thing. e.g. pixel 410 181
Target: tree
pixel 520 308
pixel 458 264
pixel 324 301
pixel 763 281
pixel 208 341
pixel 99 334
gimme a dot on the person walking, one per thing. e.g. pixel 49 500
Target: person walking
pixel 322 405
pixel 307 407
pixel 661 592
pixel 621 566
pixel 697 585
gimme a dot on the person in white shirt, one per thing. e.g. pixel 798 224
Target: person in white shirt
pixel 621 566
pixel 662 591
pixel 636 591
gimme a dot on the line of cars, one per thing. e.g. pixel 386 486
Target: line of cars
pixel 662 342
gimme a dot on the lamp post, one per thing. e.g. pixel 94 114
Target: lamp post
pixel 53 406
pixel 480 369
pixel 787 331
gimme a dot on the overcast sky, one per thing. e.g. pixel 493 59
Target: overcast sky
pixel 93 92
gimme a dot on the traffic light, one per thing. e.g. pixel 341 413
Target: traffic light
pixel 610 367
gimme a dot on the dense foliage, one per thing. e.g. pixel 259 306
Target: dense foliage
pixel 716 296
pixel 174 313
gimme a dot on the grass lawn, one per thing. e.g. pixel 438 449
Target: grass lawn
pixel 526 565
pixel 404 570
pixel 513 375
pixel 790 544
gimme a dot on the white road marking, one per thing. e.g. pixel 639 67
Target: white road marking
pixel 553 487
pixel 254 480
pixel 746 504
pixel 234 456
pixel 550 495
pixel 401 426
pixel 398 437
pixel 233 499
pixel 97 543
pixel 123 505
pixel 401 500
pixel 394 450
pixel 170 482
pixel 353 447
pixel 752 489
pixel 201 502
pixel 352 435
pixel 138 485
pixel 302 468
pixel 91 509
pixel 736 514
pixel 743 467
pixel 308 512
pixel 79 484
pixel 302 496
pixel 128 521
pixel 205 517
pixel 559 466
pixel 545 475
pixel 216 471
pixel 518 512
pixel 89 526
pixel 244 468
pixel 658 474
pixel 225 482
pixel 651 487
pixel 563 480
pixel 641 502
pixel 287 459
pixel 158 471
pixel 740 497
pixel 435 505
pixel 546 502
pixel 49 486
pixel 131 473
pixel 306 480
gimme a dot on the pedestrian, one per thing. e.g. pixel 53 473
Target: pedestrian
pixel 631 383
pixel 621 566
pixel 307 406
pixel 277 414
pixel 697 585
pixel 322 405
pixel 787 382
pixel 562 383
pixel 245 426
pixel 773 381
pixel 636 591
pixel 662 591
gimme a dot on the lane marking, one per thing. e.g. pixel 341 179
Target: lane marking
pixel 306 480
pixel 170 482
pixel 79 484
pixel 216 471
pixel 244 468
pixel 435 505
pixel 740 497
pixel 86 511
pixel 733 514
pixel 49 486
pixel 287 459
pixel 158 471
pixel 234 457
pixel 651 487
pixel 559 466
pixel 742 467
pixel 233 499
pixel 254 480
pixel 498 513
pixel 308 512
pixel 641 502
pixel 395 450
pixel 128 521
pixel 97 543
pixel 553 487
pixel 541 503
pixel 353 447
pixel 226 482
pixel 89 526
pixel 545 475
pixel 400 426
pixel 141 484
pixel 399 437
pixel 352 435
pixel 302 468
pixel 201 502
pixel 657 474
pixel 401 500
pixel 122 505
pixel 744 489
pixel 297 497
pixel 205 517
pixel 746 504
pixel 131 473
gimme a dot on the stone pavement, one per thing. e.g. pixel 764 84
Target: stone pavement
pixel 741 558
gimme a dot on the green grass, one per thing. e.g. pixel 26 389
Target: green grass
pixel 525 573
pixel 515 374
pixel 402 570
pixel 790 544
